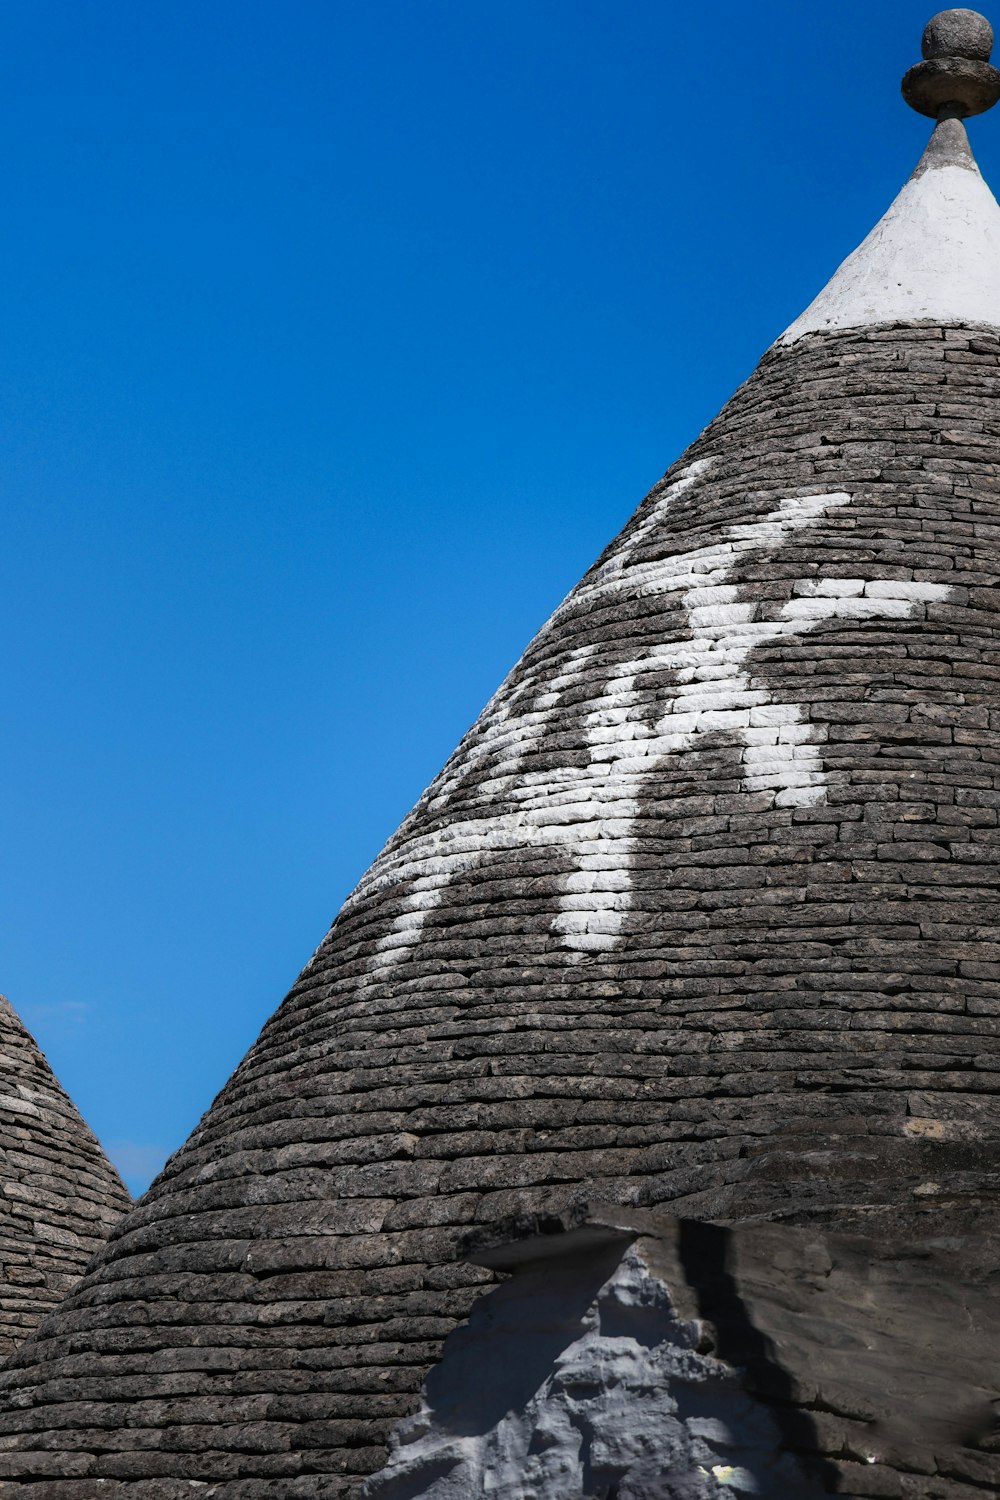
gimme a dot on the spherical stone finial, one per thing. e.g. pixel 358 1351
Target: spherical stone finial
pixel 958 33
pixel 956 78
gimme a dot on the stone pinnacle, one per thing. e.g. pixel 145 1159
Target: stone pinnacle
pixel 956 78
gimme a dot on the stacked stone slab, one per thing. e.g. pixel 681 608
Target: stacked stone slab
pixel 59 1195
pixel 701 915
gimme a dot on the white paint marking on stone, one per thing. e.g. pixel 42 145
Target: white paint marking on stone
pixel 496 735
pixel 602 583
pixel 719 694
pixel 590 811
pixel 585 1395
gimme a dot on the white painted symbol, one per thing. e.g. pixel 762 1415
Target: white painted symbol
pixel 589 812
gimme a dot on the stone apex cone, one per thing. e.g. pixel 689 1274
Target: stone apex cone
pixel 934 256
pixel 59 1195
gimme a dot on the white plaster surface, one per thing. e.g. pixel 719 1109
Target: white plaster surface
pixel 934 255
pixel 589 813
pixel 578 1382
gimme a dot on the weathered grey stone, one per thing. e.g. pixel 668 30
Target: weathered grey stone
pixel 958 33
pixel 59 1196
pixel 771 1007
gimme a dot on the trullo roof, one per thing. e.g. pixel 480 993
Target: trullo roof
pixel 701 914
pixel 59 1195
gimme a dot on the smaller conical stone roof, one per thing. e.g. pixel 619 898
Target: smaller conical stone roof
pixel 59 1194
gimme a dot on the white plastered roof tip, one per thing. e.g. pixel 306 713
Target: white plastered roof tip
pixel 935 256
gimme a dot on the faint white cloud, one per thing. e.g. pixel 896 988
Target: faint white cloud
pixel 137 1161
pixel 64 1018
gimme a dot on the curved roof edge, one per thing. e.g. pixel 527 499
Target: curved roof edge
pixel 60 1197
pixel 935 255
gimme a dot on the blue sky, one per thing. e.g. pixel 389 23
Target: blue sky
pixel 337 341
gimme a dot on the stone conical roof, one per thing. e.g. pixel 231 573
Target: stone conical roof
pixel 59 1195
pixel 701 914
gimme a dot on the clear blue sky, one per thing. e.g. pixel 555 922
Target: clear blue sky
pixel 337 340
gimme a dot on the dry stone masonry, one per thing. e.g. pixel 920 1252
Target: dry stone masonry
pixel 59 1195
pixel 596 1387
pixel 699 923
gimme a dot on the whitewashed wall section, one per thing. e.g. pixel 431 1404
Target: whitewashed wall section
pixel 588 812
pixel 561 1387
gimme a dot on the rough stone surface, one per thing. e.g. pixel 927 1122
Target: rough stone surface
pixel 958 33
pixel 596 1387
pixel 962 85
pixel 701 1360
pixel 702 912
pixel 59 1196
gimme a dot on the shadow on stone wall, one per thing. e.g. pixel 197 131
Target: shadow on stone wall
pixel 632 1356
pixel 576 1379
